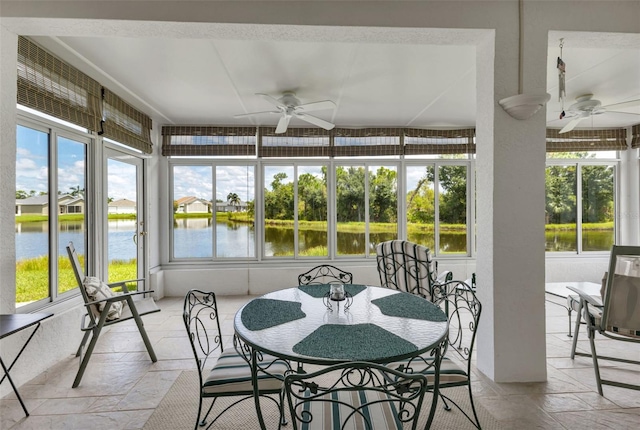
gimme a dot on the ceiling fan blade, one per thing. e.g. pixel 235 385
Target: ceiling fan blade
pixel 623 113
pixel 273 101
pixel 315 121
pixel 255 113
pixel 623 104
pixel 321 105
pixel 283 124
pixel 572 124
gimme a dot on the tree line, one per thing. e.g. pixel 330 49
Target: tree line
pixel 383 196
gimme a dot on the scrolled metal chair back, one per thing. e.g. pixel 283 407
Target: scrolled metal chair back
pixel 200 316
pixel 463 309
pixel 355 394
pixel 325 274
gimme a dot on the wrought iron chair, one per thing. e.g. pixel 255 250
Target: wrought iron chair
pixel 355 395
pixel 101 307
pixel 231 374
pixel 409 267
pixel 463 309
pixel 619 316
pixel 325 274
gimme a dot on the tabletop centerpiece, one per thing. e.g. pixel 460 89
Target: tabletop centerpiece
pixel 337 294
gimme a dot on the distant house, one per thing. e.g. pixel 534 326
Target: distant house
pixel 228 207
pixel 122 206
pixel 39 205
pixel 193 205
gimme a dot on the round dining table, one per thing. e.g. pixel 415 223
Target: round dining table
pixel 373 324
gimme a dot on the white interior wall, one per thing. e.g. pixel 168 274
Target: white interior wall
pixel 500 260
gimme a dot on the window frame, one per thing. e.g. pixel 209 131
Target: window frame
pixel 579 163
pixel 56 129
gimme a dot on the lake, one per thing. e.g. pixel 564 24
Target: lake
pixel 193 239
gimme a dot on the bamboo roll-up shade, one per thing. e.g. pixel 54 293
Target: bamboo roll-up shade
pixel 421 141
pixel 635 133
pixel 49 85
pixel 369 142
pixel 295 142
pixel 587 140
pixel 125 124
pixel 185 140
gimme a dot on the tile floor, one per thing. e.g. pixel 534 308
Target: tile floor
pixel 124 393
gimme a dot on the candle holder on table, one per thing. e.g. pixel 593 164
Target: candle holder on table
pixel 337 294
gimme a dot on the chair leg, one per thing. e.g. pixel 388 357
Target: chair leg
pixel 283 418
pixel 592 335
pixel 141 329
pixel 473 408
pixel 203 422
pixel 87 355
pixel 87 333
pixel 576 330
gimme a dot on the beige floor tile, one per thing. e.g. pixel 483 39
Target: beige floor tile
pixel 620 419
pixel 122 386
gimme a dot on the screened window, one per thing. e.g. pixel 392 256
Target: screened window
pixel 580 202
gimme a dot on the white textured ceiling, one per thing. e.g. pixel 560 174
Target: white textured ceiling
pixel 381 81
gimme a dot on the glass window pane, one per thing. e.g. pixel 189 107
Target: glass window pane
pixel 192 201
pixel 122 219
pixel 235 215
pixel 350 207
pixel 278 211
pixel 312 211
pixel 71 208
pixel 597 208
pixel 32 216
pixel 421 205
pixel 383 204
pixel 452 207
pixel 560 210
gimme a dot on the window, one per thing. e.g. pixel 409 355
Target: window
pixel 580 202
pixel 196 211
pixel 50 173
pixel 436 202
pixel 295 211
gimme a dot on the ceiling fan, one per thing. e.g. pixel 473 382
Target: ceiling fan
pixel 586 106
pixel 289 106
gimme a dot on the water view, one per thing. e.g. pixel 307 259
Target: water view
pixel 193 238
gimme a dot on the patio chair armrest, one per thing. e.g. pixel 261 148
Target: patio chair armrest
pixel 118 298
pixel 586 297
pixel 124 283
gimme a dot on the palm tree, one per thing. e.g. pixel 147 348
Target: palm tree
pixel 233 199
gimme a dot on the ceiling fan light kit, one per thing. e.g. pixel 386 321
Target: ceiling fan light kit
pixel 524 106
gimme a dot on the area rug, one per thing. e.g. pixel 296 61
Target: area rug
pixel 179 407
